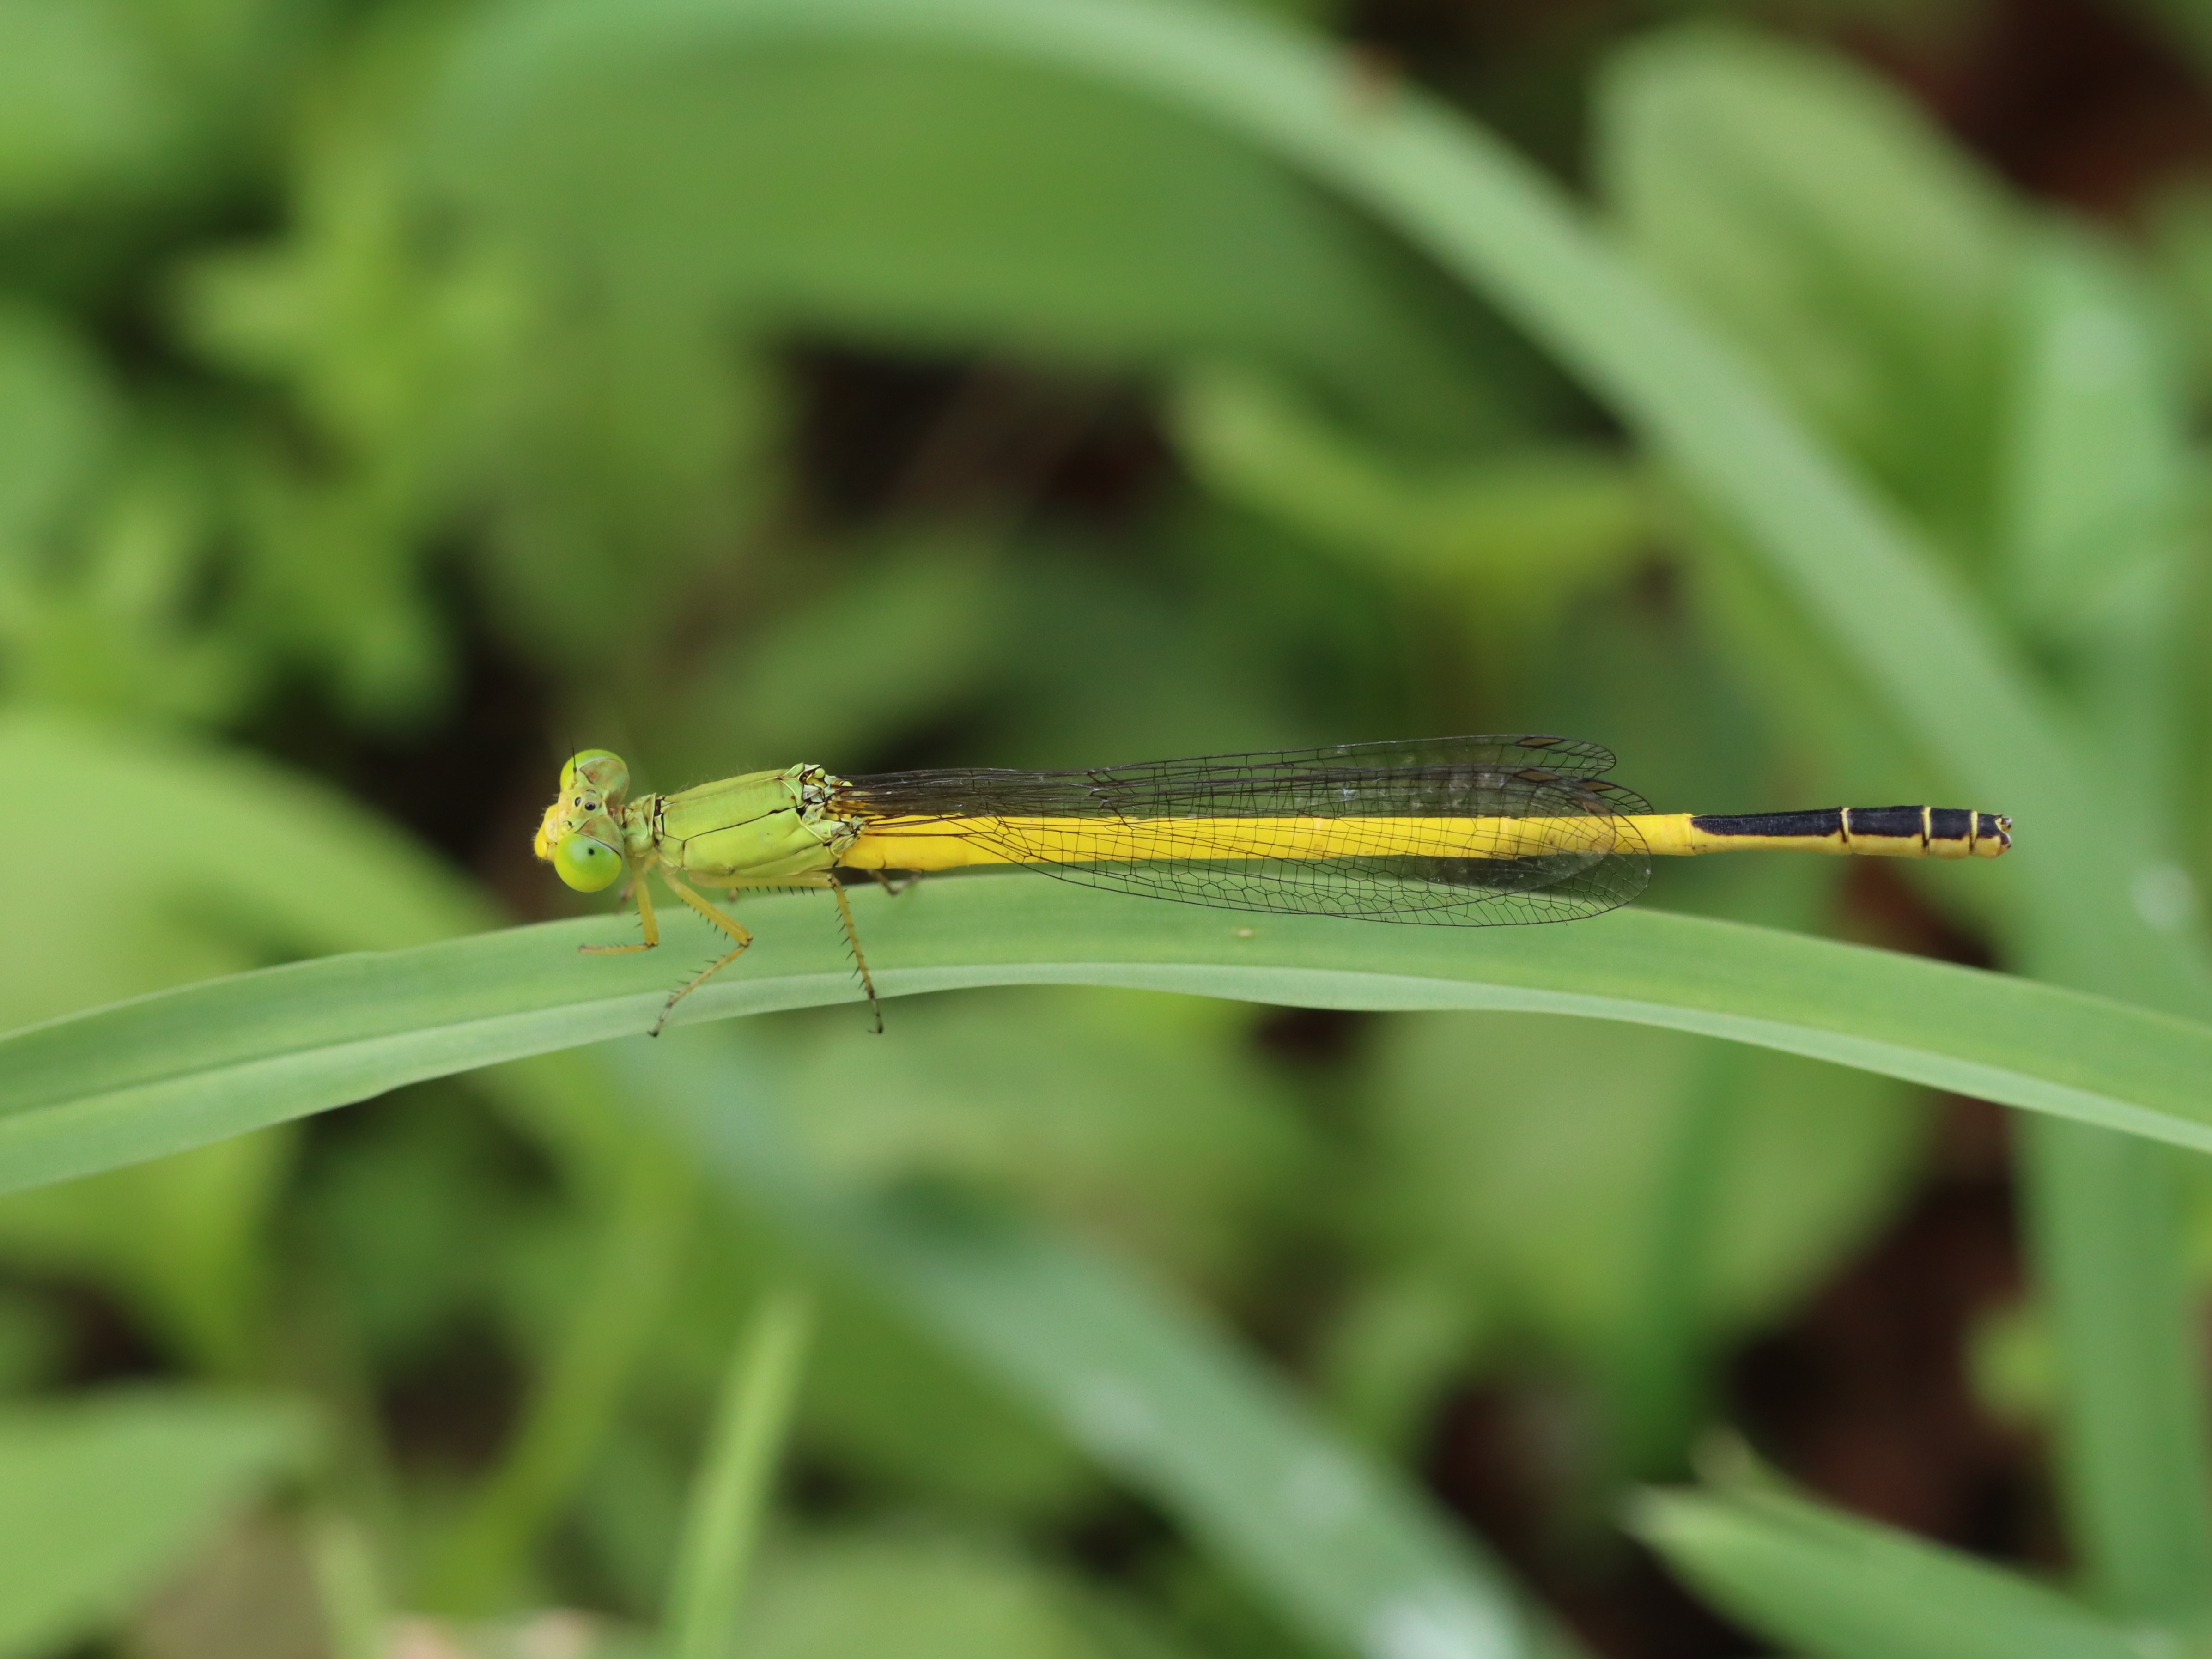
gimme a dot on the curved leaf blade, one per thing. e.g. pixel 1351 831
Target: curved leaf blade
pixel 1831 1584
pixel 184 1067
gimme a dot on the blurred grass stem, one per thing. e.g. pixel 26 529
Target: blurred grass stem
pixel 731 1498
pixel 349 1588
pixel 1655 1372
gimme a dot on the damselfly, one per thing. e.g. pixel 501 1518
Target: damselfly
pixel 1458 831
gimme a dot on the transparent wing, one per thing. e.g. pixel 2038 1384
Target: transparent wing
pixel 1170 829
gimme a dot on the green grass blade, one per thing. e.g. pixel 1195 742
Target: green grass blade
pixel 1838 1588
pixel 2109 1244
pixel 183 1067
pixel 1337 1547
pixel 731 1499
pixel 1654 1375
pixel 348 1588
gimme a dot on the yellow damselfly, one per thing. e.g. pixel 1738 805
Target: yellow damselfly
pixel 1459 831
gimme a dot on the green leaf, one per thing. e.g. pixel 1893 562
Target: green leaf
pixel 736 1485
pixel 98 1499
pixel 1839 1588
pixel 2096 470
pixel 187 1066
pixel 1814 215
pixel 1531 522
pixel 860 187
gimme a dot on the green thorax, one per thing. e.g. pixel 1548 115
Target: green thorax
pixel 762 827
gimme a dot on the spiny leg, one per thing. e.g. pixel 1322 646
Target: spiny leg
pixel 725 923
pixel 853 938
pixel 645 921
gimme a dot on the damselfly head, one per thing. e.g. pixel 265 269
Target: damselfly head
pixel 579 834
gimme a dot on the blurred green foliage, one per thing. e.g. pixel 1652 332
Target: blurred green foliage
pixel 381 417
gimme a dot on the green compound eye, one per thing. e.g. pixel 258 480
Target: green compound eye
pixel 585 865
pixel 602 768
